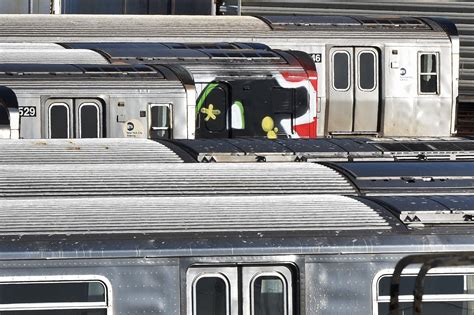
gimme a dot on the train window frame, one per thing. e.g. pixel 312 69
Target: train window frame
pixel 169 121
pixel 99 118
pixel 287 309
pixel 349 70
pixel 212 273
pixel 106 305
pixel 436 73
pixel 69 109
pixel 376 72
pixel 442 271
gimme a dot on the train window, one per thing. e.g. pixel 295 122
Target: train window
pixel 28 296
pixel 211 295
pixel 59 120
pixel 444 293
pixel 160 120
pixel 367 71
pixel 269 294
pixel 428 73
pixel 341 71
pixel 237 115
pixel 89 120
pixel 215 110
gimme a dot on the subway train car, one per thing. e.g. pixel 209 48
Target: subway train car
pixel 225 91
pixel 248 85
pixel 123 226
pixel 387 76
pixel 277 255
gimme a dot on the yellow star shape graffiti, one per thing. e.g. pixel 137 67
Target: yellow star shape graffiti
pixel 210 112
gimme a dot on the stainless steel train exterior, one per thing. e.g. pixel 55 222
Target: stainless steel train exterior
pixel 224 255
pixel 240 92
pixel 72 101
pixel 387 76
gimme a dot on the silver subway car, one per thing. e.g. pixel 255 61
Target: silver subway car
pixel 221 92
pixel 105 256
pixel 95 101
pixel 248 86
pixel 385 76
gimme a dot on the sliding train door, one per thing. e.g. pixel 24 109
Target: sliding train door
pixel 354 97
pixel 74 118
pixel 240 290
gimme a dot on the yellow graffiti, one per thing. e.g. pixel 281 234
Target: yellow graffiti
pixel 210 112
pixel 269 127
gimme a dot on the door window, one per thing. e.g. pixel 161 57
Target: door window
pixel 160 120
pixel 367 71
pixel 89 120
pixel 269 295
pixel 211 295
pixel 341 71
pixel 214 111
pixel 429 73
pixel 59 124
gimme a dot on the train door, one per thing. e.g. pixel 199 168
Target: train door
pixel 245 290
pixel 353 90
pixel 159 120
pixel 74 118
pixel 212 111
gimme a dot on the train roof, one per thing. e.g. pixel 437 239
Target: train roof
pixel 409 177
pixel 12 73
pixel 219 58
pixel 282 22
pixel 72 69
pixel 327 149
pixel 87 151
pixel 50 56
pixel 222 225
pixel 170 179
pixel 73 28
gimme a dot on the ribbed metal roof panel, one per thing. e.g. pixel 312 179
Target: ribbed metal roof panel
pixel 187 215
pixel 51 56
pixel 83 151
pixel 169 179
pixel 127 27
pixel 139 28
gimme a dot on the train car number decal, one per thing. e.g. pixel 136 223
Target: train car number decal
pixel 317 58
pixel 27 111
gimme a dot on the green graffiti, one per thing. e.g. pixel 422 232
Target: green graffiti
pixel 204 95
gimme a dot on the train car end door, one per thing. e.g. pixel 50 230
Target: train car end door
pixel 213 111
pixel 160 119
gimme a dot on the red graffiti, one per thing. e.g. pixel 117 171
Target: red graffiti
pixel 307 130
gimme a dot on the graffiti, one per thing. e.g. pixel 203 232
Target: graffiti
pixel 210 112
pixel 269 127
